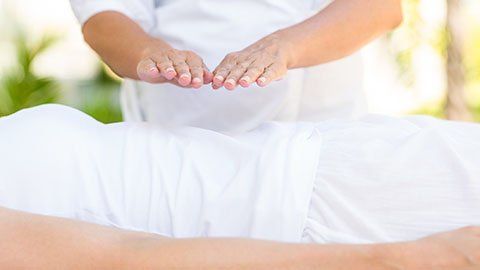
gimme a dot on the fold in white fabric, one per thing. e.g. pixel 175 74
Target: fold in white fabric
pixel 380 179
pixel 182 182
pixel 384 179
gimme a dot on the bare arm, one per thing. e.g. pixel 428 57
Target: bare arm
pixel 337 31
pixel 133 53
pixel 341 29
pixel 37 242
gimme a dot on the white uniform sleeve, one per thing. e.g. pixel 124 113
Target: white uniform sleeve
pixel 141 11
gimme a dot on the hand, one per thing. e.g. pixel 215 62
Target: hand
pixel 459 250
pixel 183 68
pixel 261 63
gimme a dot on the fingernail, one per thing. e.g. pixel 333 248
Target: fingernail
pixel 262 80
pixel 169 73
pixel 153 72
pixel 153 69
pixel 245 81
pixel 219 78
pixel 196 80
pixel 230 84
pixel 184 79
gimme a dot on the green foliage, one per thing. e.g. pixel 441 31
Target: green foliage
pixel 435 108
pixel 415 32
pixel 20 87
pixel 99 97
pixel 405 40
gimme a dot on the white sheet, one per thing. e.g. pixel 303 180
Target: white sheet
pixel 375 180
pixel 182 182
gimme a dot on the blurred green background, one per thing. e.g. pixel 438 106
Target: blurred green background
pixel 429 65
pixel 21 87
pixel 40 59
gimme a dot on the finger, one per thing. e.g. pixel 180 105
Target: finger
pixel 165 65
pixel 251 75
pixel 184 77
pixel 272 73
pixel 222 71
pixel 148 71
pixel 207 75
pixel 235 74
pixel 196 70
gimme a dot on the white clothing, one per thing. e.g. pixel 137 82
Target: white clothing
pixel 181 182
pixel 384 179
pixel 213 29
pixel 375 180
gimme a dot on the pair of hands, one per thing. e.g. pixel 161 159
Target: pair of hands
pixel 263 62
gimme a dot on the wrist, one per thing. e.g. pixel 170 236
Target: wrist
pixel 288 47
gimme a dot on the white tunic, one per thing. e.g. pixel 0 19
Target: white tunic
pixel 214 28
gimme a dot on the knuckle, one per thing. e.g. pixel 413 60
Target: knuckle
pixel 180 65
pixel 269 73
pixel 192 56
pixel 253 57
pixel 154 58
pixel 255 69
pixel 196 68
pixel 236 72
pixel 233 55
pixel 220 71
pixel 170 52
pixel 163 64
pixel 233 77
pixel 183 70
pixel 243 66
pixel 143 64
pixel 196 73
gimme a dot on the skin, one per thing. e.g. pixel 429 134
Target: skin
pixel 310 42
pixel 30 241
pixel 306 44
pixel 148 59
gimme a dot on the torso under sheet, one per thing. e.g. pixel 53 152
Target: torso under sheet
pixel 183 182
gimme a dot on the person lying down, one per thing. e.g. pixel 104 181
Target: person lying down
pixel 341 184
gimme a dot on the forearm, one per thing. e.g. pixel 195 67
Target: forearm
pixel 119 41
pixel 339 30
pixel 238 254
pixel 36 242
